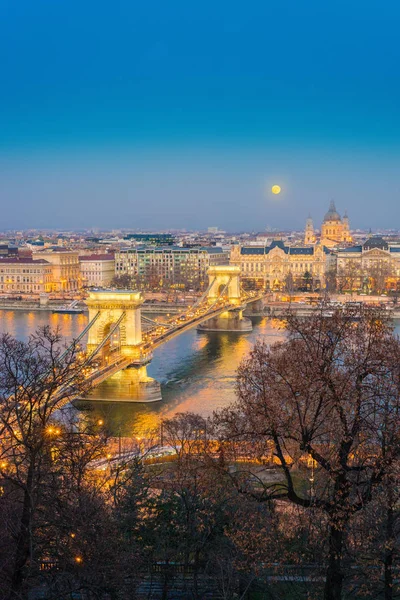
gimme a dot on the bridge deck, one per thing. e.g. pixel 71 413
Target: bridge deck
pixel 165 332
pixel 154 340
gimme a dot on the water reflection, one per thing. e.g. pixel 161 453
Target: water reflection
pixel 196 370
pixel 21 323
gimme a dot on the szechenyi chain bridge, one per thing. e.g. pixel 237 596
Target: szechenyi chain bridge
pixel 117 342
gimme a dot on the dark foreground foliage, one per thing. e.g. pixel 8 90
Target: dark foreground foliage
pixel 292 493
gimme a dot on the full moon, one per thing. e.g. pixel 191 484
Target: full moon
pixel 276 189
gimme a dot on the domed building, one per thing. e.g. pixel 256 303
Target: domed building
pixel 335 230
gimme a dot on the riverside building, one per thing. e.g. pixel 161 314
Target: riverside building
pixel 25 276
pixel 269 267
pixel 374 265
pixel 97 270
pixel 155 267
pixel 66 269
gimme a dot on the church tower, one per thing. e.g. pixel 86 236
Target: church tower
pixel 309 234
pixel 346 228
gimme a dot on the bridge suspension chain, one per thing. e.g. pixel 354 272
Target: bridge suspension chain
pixel 105 340
pixel 81 335
pixel 173 326
pixel 156 323
pixel 244 293
pixel 66 385
pixel 195 306
pixel 222 292
pixel 198 302
pixel 204 295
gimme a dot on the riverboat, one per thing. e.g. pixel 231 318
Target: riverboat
pixel 70 309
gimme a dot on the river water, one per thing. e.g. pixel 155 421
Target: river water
pixel 196 370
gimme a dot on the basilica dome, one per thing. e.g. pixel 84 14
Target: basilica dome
pixel 332 214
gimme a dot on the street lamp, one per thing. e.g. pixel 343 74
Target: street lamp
pixel 53 431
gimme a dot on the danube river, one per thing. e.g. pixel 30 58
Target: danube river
pixel 196 370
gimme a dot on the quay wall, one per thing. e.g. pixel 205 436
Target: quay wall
pixel 270 309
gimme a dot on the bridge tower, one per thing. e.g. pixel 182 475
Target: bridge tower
pixel 224 284
pixel 107 308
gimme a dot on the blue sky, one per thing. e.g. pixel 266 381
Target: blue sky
pixel 181 114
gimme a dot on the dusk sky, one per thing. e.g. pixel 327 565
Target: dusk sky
pixel 182 114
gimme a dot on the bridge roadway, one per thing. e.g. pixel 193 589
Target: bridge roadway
pixel 160 335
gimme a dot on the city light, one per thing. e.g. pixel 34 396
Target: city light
pixel 53 431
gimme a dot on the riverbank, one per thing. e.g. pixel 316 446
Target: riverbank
pixel 271 309
pixel 34 305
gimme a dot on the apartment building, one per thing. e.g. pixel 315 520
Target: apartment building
pixel 25 276
pixel 66 268
pixel 154 267
pixel 97 270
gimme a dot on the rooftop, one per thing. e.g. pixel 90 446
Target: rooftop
pixel 169 249
pixel 293 250
pixel 376 242
pixel 332 214
pixel 24 260
pixel 92 257
pixel 351 249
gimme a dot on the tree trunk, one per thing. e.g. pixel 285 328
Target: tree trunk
pixel 388 562
pixel 196 575
pixel 334 575
pixel 23 545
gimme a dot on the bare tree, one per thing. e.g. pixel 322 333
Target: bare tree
pixel 289 283
pixel 37 379
pixel 378 274
pixel 123 282
pixel 327 394
pixel 374 542
pixel 331 281
pixel 349 277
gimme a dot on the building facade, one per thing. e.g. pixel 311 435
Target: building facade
pixel 372 266
pixel 66 268
pixel 169 266
pixel 25 276
pixel 97 270
pixel 335 230
pixel 271 267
